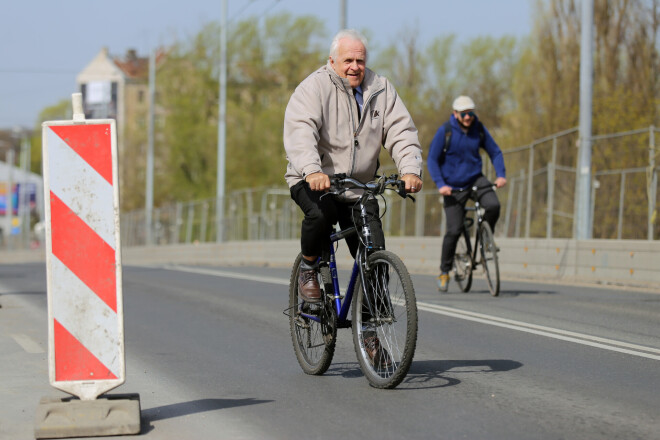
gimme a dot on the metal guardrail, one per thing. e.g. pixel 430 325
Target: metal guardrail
pixel 538 202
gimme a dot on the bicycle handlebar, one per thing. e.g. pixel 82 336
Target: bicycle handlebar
pixel 339 182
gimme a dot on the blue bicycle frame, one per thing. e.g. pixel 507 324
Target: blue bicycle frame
pixel 341 307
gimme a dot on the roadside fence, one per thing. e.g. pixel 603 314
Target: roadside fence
pixel 538 202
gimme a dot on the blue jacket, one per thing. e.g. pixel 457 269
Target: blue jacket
pixel 462 163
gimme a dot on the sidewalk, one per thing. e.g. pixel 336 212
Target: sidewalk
pixel 23 362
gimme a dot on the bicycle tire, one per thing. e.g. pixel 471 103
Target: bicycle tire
pixel 488 251
pixel 313 341
pixel 393 320
pixel 463 262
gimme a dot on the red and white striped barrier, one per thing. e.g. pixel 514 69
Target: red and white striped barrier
pixel 85 308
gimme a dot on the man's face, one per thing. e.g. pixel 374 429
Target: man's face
pixel 351 61
pixel 465 117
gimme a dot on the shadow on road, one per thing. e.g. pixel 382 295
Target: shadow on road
pixel 453 294
pixel 345 369
pixel 192 407
pixel 434 374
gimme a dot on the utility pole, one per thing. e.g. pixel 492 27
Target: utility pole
pixel 583 215
pixel 222 110
pixel 342 14
pixel 148 221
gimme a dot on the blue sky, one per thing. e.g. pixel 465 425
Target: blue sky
pixel 44 44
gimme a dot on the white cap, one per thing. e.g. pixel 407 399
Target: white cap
pixel 463 103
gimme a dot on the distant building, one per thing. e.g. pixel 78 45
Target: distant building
pixel 117 88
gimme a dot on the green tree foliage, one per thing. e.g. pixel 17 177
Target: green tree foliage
pixel 546 92
pixel 265 63
pixel 524 90
pixel 429 79
pixel 57 112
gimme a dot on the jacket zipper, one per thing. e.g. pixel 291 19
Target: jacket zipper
pixel 359 124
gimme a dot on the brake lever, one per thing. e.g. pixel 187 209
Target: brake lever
pixel 336 193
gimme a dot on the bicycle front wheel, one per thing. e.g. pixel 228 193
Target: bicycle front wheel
pixel 385 321
pixel 313 328
pixel 489 258
pixel 463 263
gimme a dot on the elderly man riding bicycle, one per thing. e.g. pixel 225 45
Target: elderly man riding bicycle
pixel 336 121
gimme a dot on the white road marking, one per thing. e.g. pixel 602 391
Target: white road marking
pixel 225 274
pixel 27 343
pixel 564 335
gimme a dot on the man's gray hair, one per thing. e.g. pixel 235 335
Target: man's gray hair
pixel 351 34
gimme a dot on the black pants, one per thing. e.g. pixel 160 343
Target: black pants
pixel 322 214
pixel 455 215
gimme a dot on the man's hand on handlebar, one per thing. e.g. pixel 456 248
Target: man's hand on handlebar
pixel 445 190
pixel 318 181
pixel 500 182
pixel 413 183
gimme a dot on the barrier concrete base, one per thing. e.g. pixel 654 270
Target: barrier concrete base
pixel 70 417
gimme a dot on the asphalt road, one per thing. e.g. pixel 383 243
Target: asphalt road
pixel 209 352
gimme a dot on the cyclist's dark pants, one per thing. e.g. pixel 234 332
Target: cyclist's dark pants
pixel 322 214
pixel 455 215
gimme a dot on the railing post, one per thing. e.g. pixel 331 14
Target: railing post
pixel 519 207
pixel 178 222
pixel 251 219
pixel 509 206
pixel 202 229
pixel 420 210
pixel 189 226
pixel 622 192
pixel 551 190
pixel 530 185
pixel 652 182
pixel 402 219
pixel 595 184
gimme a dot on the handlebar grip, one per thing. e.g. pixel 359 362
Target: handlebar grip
pixel 401 190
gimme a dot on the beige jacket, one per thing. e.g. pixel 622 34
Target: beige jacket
pixel 322 133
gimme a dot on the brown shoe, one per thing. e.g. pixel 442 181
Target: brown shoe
pixel 308 286
pixel 380 358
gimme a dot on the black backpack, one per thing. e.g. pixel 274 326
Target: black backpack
pixel 447 126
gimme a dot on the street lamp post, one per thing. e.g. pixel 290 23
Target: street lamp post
pixel 222 110
pixel 584 224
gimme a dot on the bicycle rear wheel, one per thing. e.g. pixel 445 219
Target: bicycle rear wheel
pixel 463 263
pixel 385 321
pixel 489 258
pixel 313 328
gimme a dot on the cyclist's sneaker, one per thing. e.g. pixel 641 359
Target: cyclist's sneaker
pixel 380 358
pixel 308 285
pixel 443 282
